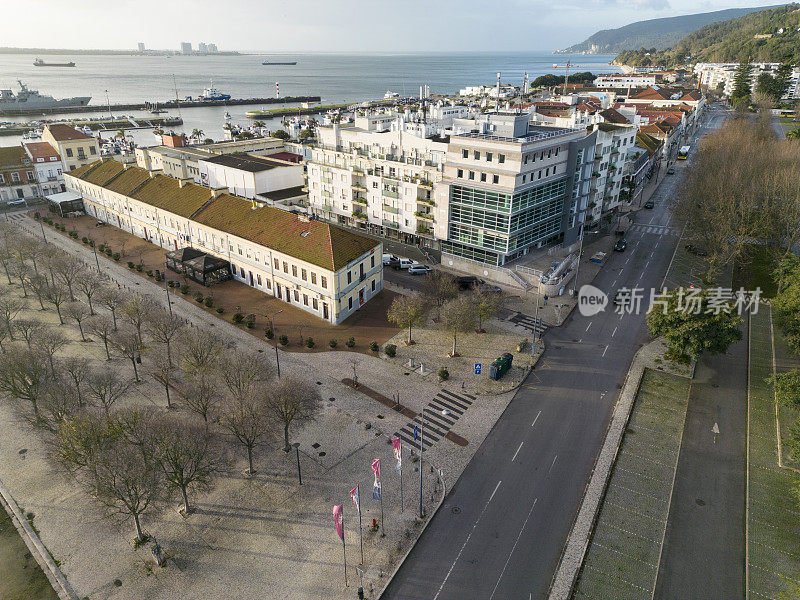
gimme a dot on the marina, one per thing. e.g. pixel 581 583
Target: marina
pixel 92 126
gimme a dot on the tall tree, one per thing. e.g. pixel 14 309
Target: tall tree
pixel 406 312
pixel 247 420
pixel 105 388
pixel 438 288
pixel 76 370
pixel 741 83
pixel 201 393
pixel 90 284
pixel 164 328
pixel 22 378
pixel 46 343
pixel 201 350
pixel 243 372
pixel 57 295
pixel 102 327
pixel 125 341
pixel 162 369
pixel 137 311
pixel 68 270
pixel 78 312
pixel 459 317
pixel 487 304
pixel 10 306
pixel 113 299
pixel 292 401
pixel 27 329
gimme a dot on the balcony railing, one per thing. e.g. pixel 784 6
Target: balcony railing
pixel 390 224
pixel 326 194
pixel 390 193
pixel 391 209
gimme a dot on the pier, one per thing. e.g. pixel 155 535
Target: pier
pixel 271 113
pixel 167 104
pixel 103 124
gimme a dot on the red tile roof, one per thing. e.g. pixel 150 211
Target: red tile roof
pixel 65 133
pixel 37 150
pixel 613 116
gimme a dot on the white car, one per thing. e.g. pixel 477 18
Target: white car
pixel 418 269
pixel 387 259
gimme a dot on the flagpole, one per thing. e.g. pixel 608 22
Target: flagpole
pixel 421 439
pixel 383 530
pixel 344 551
pixel 360 529
pixel 402 504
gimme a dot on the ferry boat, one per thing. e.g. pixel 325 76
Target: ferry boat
pixel 40 63
pixel 28 100
pixel 271 63
pixel 389 95
pixel 212 93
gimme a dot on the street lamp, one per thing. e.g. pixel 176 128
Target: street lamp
pixel 297 450
pixel 166 288
pixel 277 358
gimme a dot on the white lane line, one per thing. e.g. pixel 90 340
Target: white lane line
pixel 519 535
pixel 589 325
pixel 485 506
pixel 604 351
pixel 647 264
pixel 536 419
pixel 613 283
pixel 552 464
pixel 622 315
pixel 517 452
pixel 613 332
pixel 627 260
pixel 621 270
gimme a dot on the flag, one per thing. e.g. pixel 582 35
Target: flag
pixel 376 468
pixel 397 448
pixel 337 520
pixel 354 497
pixel 376 490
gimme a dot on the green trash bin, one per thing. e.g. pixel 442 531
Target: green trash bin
pixel 500 366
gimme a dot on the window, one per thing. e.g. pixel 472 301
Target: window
pixel 501 158
pixel 483 176
pixel 526 159
pixel 277 265
pixel 476 155
pixel 2 179
pixel 472 174
pixel 15 177
pixel 372 262
pixel 269 284
pixel 313 278
pixel 303 275
pixel 30 175
pixel 461 173
pixel 495 179
pixel 350 302
pixel 294 270
pixel 296 296
pixel 92 150
pixel 285 267
pixel 324 282
pixel 523 178
pixel 241 271
pixel 258 277
pixel 314 304
pixel 349 277
pixel 465 153
pixel 69 152
pixel 556 151
pixel 373 285
pixel 305 299
pixel 488 157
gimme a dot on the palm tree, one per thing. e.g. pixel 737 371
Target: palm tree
pixel 259 124
pixel 197 133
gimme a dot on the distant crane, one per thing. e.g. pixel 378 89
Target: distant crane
pixel 566 75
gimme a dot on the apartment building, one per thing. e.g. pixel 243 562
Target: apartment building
pixel 611 155
pixel 625 81
pixel 47 167
pixel 251 176
pixel 317 267
pixel 716 75
pixel 17 175
pixel 74 147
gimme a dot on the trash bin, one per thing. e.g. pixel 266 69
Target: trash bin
pixel 500 366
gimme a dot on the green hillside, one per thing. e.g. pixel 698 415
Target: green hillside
pixel 731 41
pixel 653 33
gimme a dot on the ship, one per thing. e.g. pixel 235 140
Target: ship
pixel 40 63
pixel 212 93
pixel 273 63
pixel 31 100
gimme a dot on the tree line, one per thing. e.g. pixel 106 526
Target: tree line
pixel 131 458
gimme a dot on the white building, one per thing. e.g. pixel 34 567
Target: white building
pixel 714 75
pixel 250 176
pixel 610 166
pixel 202 48
pixel 623 81
pixel 47 165
pixel 186 48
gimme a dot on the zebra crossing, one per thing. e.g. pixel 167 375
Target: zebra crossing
pixel 656 229
pixel 529 323
pixel 437 425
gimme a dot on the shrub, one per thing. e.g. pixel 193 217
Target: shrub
pixel 220 310
pixel 109 251
pixel 73 235
pixel 198 296
pixel 374 346
pixel 36 215
pixel 284 340
pixel 351 342
pixel 208 301
pixel 159 277
pixel 149 272
pixel 101 248
pixel 130 263
pixel 116 256
pixel 249 324
pixel 91 245
pixel 269 333
pixel 85 240
pixel 139 268
pixel 184 289
pixel 444 374
pixel 333 343
pixel 390 350
pixel 310 343
pixel 237 318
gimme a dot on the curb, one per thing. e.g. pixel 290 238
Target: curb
pixel 36 547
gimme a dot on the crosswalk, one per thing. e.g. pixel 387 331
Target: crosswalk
pixel 530 323
pixel 437 425
pixel 656 229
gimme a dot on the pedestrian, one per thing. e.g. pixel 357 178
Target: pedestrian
pixel 545 299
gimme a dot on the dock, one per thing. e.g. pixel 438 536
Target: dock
pixel 104 124
pixel 166 104
pixel 272 113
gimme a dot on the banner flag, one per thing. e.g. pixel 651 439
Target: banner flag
pixel 376 468
pixel 354 497
pixel 337 520
pixel 376 490
pixel 397 448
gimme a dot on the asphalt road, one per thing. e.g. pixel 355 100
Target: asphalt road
pixel 502 529
pixel 703 553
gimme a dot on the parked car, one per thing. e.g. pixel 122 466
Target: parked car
pixel 692 249
pixel 621 245
pixel 649 204
pixel 469 282
pixel 388 258
pixel 404 263
pixel 418 269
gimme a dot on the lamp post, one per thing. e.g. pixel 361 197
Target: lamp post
pixel 277 358
pixel 297 450
pixel 166 288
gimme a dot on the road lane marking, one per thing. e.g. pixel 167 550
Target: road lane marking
pixel 485 506
pixel 589 325
pixel 536 419
pixel 517 452
pixel 613 332
pixel 621 270
pixel 614 283
pixel 552 464
pixel 514 547
pixel 606 349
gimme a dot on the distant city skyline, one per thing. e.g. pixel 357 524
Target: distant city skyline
pixel 338 26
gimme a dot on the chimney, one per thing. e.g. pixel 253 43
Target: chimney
pixel 155 172
pixel 183 182
pixel 217 192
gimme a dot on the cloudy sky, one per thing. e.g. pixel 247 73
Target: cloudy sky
pixel 332 25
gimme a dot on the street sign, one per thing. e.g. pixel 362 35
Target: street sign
pixel 477 368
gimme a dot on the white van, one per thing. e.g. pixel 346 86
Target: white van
pixel 387 259
pixel 405 263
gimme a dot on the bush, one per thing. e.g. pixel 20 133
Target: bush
pixel 139 268
pixel 184 289
pixel 269 333
pixel 220 310
pixel 444 374
pixel 85 240
pixel 91 245
pixel 159 277
pixel 116 256
pixel 73 235
pixel 208 301
pixel 249 324
pixel 333 343
pixel 390 350
pixel 149 272
pixel 374 346
pixel 130 263
pixel 198 296
pixel 36 215
pixel 350 343
pixel 109 251
pixel 284 340
pixel 237 318
pixel 101 248
pixel 310 343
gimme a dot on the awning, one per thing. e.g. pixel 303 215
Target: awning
pixel 63 197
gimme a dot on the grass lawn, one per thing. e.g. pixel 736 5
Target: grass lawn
pixel 622 559
pixel 773 508
pixel 21 578
pixel 755 269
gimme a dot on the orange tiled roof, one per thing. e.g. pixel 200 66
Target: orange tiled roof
pixel 65 133
pixel 42 150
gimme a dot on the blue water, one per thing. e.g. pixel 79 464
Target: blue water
pixel 334 77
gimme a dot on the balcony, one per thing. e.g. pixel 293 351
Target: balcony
pixel 327 207
pixel 359 199
pixel 390 224
pixel 358 186
pixel 325 194
pixel 426 201
pixel 423 215
pixel 360 215
pixel 390 194
pixel 391 209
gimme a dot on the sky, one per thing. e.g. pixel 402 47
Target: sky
pixel 333 25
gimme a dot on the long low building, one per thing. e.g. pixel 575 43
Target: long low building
pixel 311 264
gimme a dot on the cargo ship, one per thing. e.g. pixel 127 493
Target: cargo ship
pixel 271 63
pixel 40 63
pixel 27 100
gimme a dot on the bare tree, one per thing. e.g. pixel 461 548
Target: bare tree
pixel 30 249
pixel 8 240
pixel 486 304
pixel 20 270
pixel 292 401
pixel 126 342
pixel 201 394
pixel 200 350
pixel 136 312
pixel 10 305
pixel 22 378
pixel 38 284
pixel 57 403
pixel 78 312
pixel 438 288
pixel 56 294
pixel 112 298
pixel 162 369
pixel 101 326
pixel 76 370
pixel 459 317
pixel 90 285
pixel 188 455
pixel 406 311
pixel 27 329
pixel 164 328
pixel 105 388
pixel 68 270
pixel 243 372
pixel 77 439
pixel 46 343
pixel 247 420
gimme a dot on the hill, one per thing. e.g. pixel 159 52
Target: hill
pixel 771 35
pixel 655 33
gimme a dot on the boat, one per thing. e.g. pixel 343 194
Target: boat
pixel 212 93
pixel 274 63
pixel 227 116
pixel 28 100
pixel 40 63
pixel 390 94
